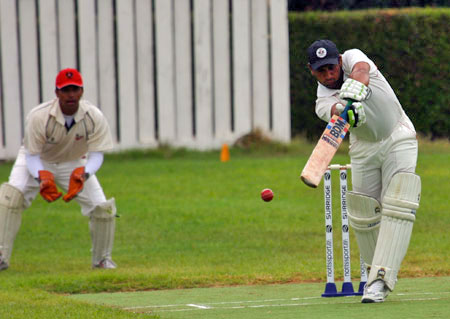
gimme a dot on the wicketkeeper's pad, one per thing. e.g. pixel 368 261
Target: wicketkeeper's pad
pixel 102 227
pixel 11 207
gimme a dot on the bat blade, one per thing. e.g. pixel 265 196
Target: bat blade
pixel 324 151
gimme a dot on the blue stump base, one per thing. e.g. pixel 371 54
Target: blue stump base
pixel 360 289
pixel 347 290
pixel 330 290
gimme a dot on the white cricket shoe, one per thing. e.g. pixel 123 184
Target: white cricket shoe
pixel 105 264
pixel 376 292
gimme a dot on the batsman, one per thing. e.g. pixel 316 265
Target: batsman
pixel 63 146
pixel 383 151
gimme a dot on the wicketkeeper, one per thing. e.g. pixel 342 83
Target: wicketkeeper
pixel 383 151
pixel 63 146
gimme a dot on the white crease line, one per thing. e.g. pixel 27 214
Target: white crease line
pixel 272 300
pixel 222 303
pixel 293 305
pixel 421 293
pixel 422 299
pixel 198 306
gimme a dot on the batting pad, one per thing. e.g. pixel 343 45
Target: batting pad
pixel 102 226
pixel 398 216
pixel 364 215
pixel 11 207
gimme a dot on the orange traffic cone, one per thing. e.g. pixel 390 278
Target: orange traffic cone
pixel 225 153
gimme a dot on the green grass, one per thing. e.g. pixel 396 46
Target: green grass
pixel 189 220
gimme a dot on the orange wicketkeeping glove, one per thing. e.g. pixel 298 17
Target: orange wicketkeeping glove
pixel 48 187
pixel 76 183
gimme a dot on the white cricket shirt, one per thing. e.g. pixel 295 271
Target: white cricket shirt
pixel 47 135
pixel 382 108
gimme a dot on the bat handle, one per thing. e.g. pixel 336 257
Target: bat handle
pixel 344 114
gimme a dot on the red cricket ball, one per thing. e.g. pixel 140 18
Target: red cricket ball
pixel 267 194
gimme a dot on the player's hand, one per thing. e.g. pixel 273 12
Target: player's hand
pixel 356 115
pixel 76 183
pixel 47 185
pixel 355 90
pixel 339 107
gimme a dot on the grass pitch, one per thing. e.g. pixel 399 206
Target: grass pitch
pixel 191 221
pixel 414 298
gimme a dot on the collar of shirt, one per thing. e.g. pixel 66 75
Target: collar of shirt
pixel 56 112
pixel 69 120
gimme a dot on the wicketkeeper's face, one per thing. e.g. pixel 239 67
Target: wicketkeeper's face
pixel 69 98
pixel 329 75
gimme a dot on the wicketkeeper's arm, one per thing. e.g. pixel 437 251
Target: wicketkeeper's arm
pixel 34 164
pixel 94 162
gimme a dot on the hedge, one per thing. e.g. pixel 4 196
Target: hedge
pixel 410 47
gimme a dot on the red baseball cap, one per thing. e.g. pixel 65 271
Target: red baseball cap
pixel 68 77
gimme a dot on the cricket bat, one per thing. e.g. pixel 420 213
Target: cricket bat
pixel 326 147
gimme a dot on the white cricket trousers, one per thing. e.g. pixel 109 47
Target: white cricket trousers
pixel 374 163
pixel 91 195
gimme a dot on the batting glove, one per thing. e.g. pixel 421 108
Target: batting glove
pixel 76 183
pixel 355 90
pixel 47 186
pixel 356 114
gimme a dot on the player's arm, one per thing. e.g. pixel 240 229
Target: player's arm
pixel 34 164
pixel 94 162
pixel 360 73
pixel 355 88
